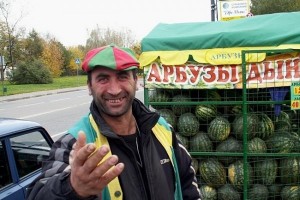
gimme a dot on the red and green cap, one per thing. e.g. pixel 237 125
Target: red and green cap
pixel 112 57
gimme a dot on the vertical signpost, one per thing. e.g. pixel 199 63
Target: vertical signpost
pixel 77 61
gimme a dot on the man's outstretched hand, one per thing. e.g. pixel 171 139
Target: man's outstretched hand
pixel 88 177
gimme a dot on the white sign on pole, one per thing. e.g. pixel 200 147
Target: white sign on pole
pixel 233 9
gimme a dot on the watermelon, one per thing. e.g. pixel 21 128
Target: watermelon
pixel 219 129
pixel 178 108
pixel 257 145
pixel 290 192
pixel 266 171
pixel 291 113
pixel 236 174
pixel 238 110
pixel 169 116
pixel 283 126
pixel 281 143
pixel 213 95
pixel 258 192
pixel 229 145
pixel 158 95
pixel 265 127
pixel 274 191
pixel 283 116
pixel 201 142
pixel 206 95
pixel 251 126
pixel 289 170
pixel 227 192
pixel 195 165
pixel 296 137
pixel 183 140
pixel 206 112
pixel 283 122
pixel 212 172
pixel 188 124
pixel 208 192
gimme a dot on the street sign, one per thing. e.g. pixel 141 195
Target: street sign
pixel 77 61
pixel 2 61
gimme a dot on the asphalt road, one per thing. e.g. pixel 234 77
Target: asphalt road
pixel 55 110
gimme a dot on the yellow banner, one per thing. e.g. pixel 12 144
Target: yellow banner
pixel 275 71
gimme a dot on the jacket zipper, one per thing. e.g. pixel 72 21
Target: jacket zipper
pixel 147 170
pixel 145 197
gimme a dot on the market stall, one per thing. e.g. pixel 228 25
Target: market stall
pixel 230 90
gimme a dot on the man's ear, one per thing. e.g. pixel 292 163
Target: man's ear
pixel 89 88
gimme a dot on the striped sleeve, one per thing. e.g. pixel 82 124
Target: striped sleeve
pixel 54 181
pixel 189 184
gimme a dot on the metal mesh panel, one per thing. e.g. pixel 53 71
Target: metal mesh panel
pixel 245 142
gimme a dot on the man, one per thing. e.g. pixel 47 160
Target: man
pixel 120 150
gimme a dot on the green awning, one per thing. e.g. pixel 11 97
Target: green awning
pixel 176 43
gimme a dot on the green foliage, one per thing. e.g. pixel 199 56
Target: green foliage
pixel 33 46
pixel 31 73
pixel 260 7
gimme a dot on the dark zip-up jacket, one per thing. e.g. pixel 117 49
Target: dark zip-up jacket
pixel 54 182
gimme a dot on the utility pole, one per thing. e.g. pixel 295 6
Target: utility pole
pixel 213 5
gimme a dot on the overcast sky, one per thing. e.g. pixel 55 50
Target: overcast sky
pixel 69 20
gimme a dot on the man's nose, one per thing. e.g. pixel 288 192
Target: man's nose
pixel 114 87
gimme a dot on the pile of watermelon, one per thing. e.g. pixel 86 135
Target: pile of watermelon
pixel 232 143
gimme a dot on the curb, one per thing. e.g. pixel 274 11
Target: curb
pixel 38 94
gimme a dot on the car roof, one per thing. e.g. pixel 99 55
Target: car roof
pixel 12 125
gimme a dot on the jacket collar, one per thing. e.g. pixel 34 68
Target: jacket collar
pixel 145 118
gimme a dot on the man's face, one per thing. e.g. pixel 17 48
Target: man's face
pixel 113 91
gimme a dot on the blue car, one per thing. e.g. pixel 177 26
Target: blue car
pixel 23 146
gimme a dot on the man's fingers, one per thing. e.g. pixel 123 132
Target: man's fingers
pixel 112 173
pixel 104 166
pixel 82 150
pixel 81 140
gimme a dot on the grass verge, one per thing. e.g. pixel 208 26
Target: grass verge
pixel 58 83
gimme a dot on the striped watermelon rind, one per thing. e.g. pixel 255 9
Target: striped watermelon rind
pixel 206 112
pixel 219 129
pixel 188 124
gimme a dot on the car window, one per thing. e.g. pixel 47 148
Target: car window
pixel 29 151
pixel 5 175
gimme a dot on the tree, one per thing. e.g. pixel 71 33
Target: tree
pixel 101 37
pixel 52 57
pixel 10 33
pixel 136 48
pixel 259 7
pixel 75 53
pixel 33 46
pixel 66 56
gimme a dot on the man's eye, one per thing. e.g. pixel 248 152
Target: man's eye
pixel 123 77
pixel 102 80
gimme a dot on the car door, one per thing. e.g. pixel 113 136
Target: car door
pixel 25 152
pixel 8 188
